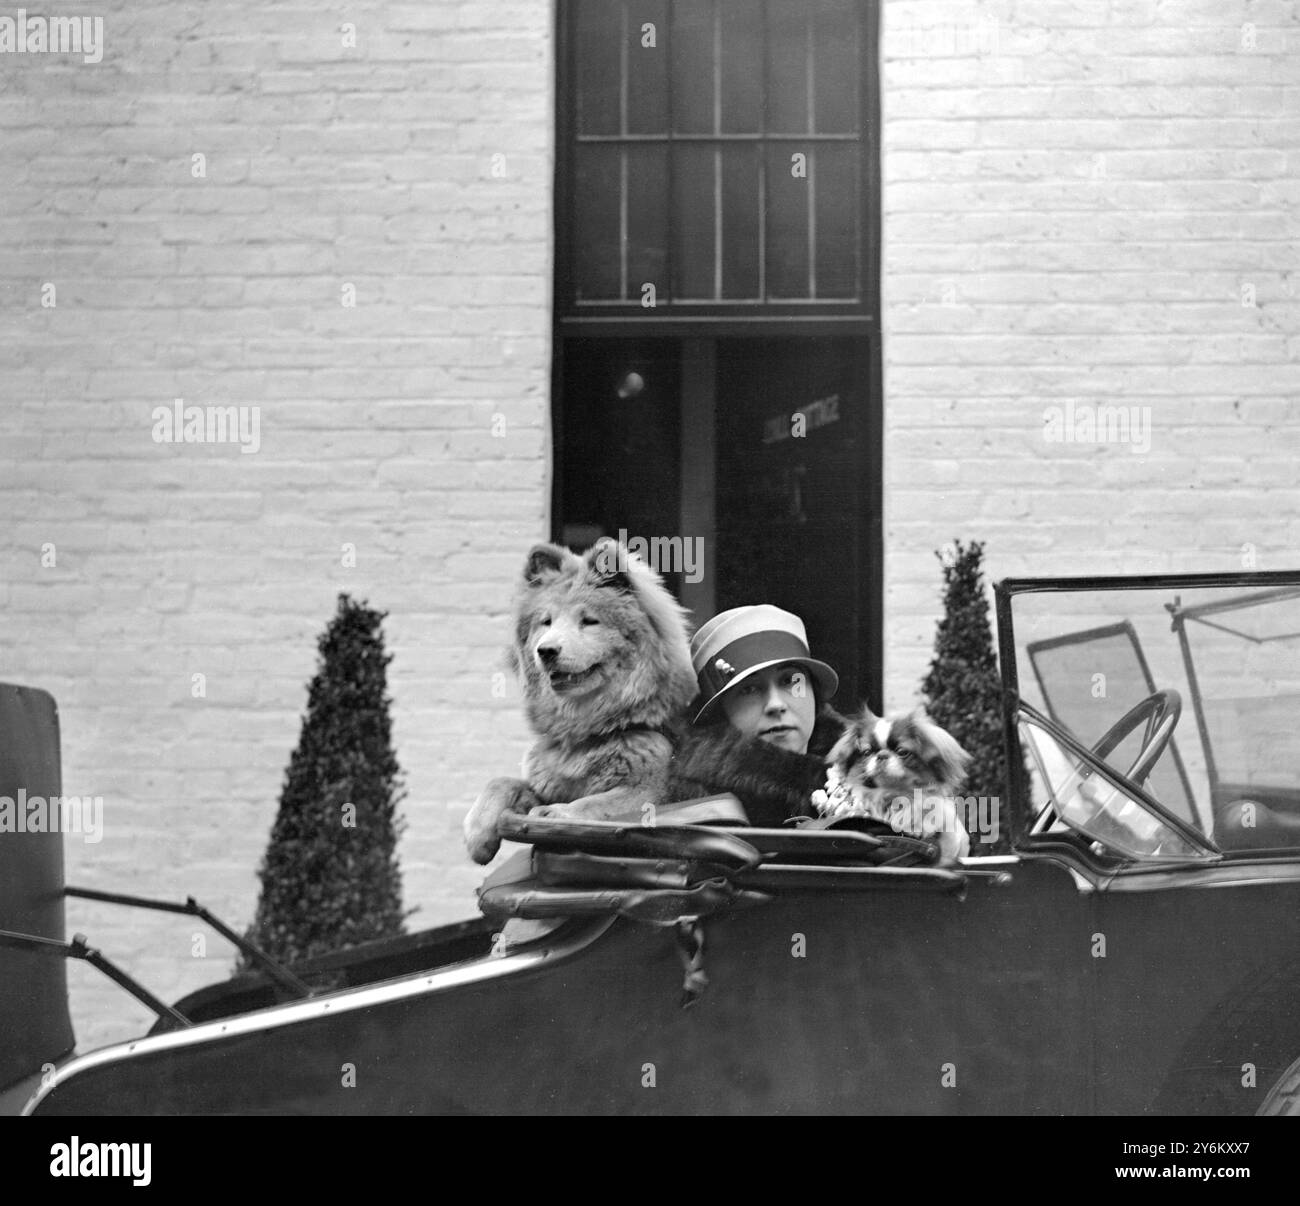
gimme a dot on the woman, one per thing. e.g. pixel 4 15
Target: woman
pixel 762 724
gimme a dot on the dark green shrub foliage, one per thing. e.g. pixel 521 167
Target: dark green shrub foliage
pixel 963 689
pixel 330 876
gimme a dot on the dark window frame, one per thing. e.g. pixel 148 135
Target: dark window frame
pixel 729 316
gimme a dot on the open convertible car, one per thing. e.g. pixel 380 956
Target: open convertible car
pixel 1124 938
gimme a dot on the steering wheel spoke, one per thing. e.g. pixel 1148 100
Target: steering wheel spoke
pixel 1161 711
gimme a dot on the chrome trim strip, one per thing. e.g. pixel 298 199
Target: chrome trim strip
pixel 489 967
pixel 1191 874
pixel 1136 582
pixel 1221 875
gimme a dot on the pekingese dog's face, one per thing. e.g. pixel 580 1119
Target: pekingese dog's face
pixel 896 754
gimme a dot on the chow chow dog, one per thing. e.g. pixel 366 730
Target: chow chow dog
pixel 904 770
pixel 603 654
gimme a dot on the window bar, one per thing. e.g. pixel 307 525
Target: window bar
pixel 732 137
pixel 622 76
pixel 764 149
pixel 717 223
pixel 670 153
pixel 622 155
pixel 863 127
pixel 762 222
pixel 717 151
pixel 812 174
pixel 812 224
pixel 622 222
pixel 810 74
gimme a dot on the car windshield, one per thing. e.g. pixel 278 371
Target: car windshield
pixel 1189 696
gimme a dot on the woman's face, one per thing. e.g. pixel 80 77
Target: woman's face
pixel 776 705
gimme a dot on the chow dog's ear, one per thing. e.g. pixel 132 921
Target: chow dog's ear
pixel 610 565
pixel 607 564
pixel 546 561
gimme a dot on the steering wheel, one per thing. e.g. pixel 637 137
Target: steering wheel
pixel 1161 711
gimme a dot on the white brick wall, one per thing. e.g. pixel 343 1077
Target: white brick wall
pixel 325 165
pixel 1075 195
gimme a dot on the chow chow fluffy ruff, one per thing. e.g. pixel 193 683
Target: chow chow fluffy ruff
pixel 602 651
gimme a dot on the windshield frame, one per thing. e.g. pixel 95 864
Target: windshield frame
pixel 1004 593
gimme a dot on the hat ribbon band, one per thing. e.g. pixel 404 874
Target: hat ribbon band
pixel 747 651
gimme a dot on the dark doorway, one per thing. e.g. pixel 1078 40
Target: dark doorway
pixel 620 440
pixel 758 454
pixel 793 510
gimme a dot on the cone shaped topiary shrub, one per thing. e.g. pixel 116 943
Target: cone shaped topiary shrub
pixel 330 877
pixel 963 689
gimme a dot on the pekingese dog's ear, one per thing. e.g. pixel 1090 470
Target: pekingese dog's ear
pixel 852 742
pixel 943 755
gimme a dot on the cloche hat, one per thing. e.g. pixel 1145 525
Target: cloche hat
pixel 738 643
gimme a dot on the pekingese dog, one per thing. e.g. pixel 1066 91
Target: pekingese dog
pixel 901 769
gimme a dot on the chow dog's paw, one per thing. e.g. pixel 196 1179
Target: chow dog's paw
pixel 573 810
pixel 626 803
pixel 555 811
pixel 498 797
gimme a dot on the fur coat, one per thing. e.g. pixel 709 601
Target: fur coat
pixel 770 782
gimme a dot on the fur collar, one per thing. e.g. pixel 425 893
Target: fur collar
pixel 772 783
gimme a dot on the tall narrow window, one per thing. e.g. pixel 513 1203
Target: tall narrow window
pixel 716 155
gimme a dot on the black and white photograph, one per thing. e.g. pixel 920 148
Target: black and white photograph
pixel 651 557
